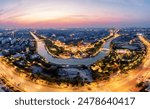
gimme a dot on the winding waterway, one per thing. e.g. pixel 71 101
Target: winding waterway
pixel 41 49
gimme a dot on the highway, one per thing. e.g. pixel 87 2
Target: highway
pixel 118 83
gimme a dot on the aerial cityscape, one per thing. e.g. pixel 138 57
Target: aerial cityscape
pixel 74 46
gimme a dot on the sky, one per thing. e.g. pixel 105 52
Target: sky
pixel 74 13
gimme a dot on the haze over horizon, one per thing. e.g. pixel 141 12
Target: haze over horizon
pixel 74 13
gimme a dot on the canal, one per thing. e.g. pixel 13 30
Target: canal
pixel 41 49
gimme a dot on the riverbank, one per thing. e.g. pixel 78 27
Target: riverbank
pixel 60 50
pixel 41 50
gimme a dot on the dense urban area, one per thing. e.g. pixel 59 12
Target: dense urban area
pixel 77 59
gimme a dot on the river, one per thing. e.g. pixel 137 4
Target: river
pixel 86 61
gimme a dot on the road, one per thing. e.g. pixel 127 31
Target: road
pixel 118 83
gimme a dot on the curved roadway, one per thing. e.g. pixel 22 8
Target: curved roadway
pixel 124 82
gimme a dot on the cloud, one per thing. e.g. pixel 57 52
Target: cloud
pixel 78 16
pixel 11 10
pixel 1 11
pixel 73 11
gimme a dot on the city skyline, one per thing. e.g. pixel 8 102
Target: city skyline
pixel 74 13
